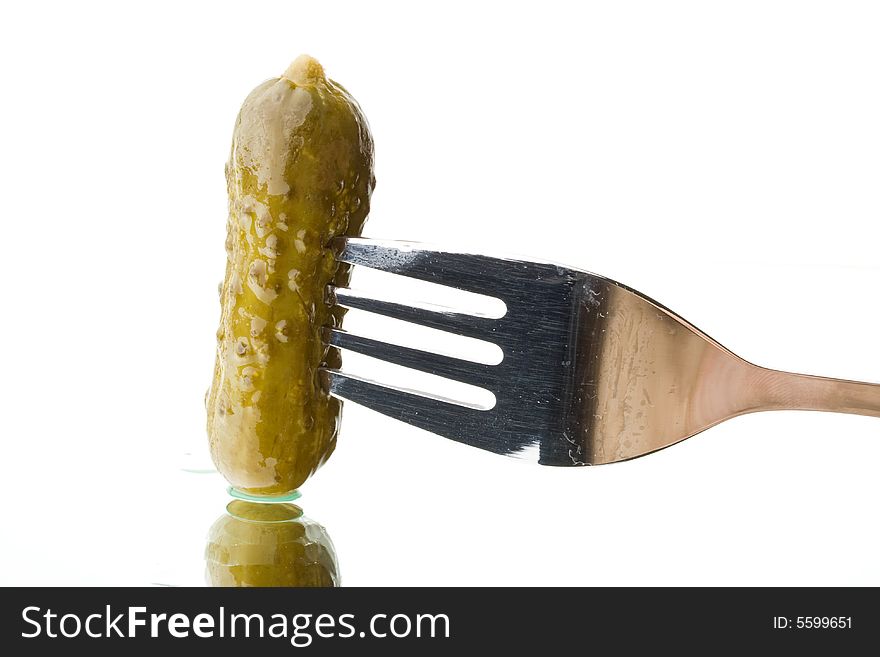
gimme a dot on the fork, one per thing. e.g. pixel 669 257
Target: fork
pixel 593 371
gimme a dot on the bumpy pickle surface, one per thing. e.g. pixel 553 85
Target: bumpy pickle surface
pixel 300 173
pixel 269 545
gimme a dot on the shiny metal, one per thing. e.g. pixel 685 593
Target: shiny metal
pixel 593 372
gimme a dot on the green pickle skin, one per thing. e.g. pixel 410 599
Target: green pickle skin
pixel 300 173
pixel 269 545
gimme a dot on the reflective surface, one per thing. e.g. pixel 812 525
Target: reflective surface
pixel 256 544
pixel 593 372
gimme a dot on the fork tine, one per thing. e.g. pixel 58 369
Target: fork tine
pixel 473 326
pixel 471 272
pixel 447 419
pixel 457 369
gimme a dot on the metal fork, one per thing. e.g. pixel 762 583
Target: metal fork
pixel 593 371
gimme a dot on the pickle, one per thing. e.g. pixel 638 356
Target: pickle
pixel 299 174
pixel 269 545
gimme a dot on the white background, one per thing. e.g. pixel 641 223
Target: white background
pixel 722 158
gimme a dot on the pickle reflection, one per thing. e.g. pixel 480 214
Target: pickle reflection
pixel 255 544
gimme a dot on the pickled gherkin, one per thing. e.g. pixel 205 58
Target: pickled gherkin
pixel 269 545
pixel 299 174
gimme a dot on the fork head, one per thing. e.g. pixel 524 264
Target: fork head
pixel 593 372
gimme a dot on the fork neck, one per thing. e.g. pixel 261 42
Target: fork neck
pixel 765 389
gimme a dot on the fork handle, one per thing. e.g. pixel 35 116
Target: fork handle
pixel 776 390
